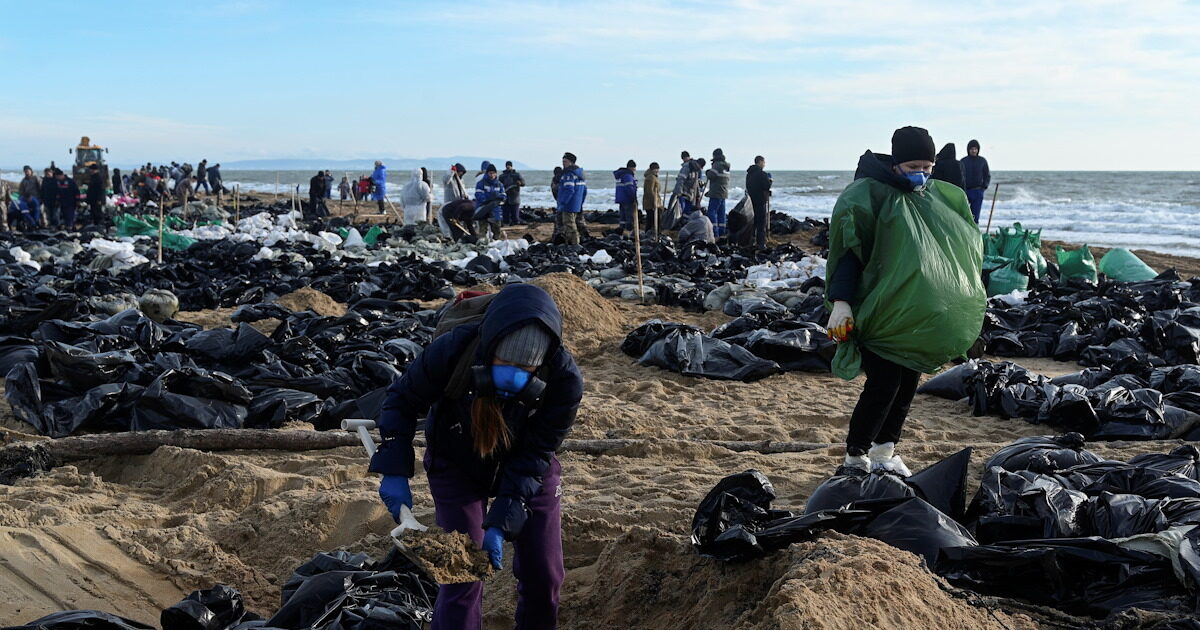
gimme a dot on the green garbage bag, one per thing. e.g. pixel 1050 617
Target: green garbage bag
pixel 373 235
pixel 1009 278
pixel 920 300
pixel 129 225
pixel 1019 244
pixel 1076 264
pixel 171 240
pixel 1123 266
pixel 343 232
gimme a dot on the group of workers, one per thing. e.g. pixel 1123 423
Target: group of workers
pixel 500 393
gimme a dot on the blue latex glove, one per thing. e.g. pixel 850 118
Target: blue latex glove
pixel 493 544
pixel 394 491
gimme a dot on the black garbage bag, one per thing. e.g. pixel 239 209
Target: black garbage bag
pixel 1022 400
pixel 14 350
pixel 330 594
pixel 1123 515
pixel 1087 576
pixel 1183 460
pixel 274 406
pixel 944 484
pixel 985 384
pixel 225 345
pixel 1070 409
pixel 191 399
pixel 216 608
pixel 1070 342
pixel 951 384
pixel 807 349
pixel 1023 505
pixel 1180 378
pixel 691 353
pixel 912 524
pixel 84 369
pixel 81 620
pixel 853 485
pixel 741 224
pixel 1145 482
pixel 1087 378
pixel 1043 453
pixel 1113 353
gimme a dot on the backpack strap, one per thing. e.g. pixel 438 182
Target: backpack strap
pixel 460 381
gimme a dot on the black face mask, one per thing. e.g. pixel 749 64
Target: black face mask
pixel 530 395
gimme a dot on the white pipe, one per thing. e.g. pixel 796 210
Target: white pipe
pixel 363 428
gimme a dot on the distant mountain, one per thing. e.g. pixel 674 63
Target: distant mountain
pixel 364 164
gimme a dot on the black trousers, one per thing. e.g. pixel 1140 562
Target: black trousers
pixel 760 223
pixel 883 405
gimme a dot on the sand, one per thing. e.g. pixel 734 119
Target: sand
pixel 306 298
pixel 448 557
pixel 135 534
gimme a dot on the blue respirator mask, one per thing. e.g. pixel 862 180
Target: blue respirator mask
pixel 510 383
pixel 918 178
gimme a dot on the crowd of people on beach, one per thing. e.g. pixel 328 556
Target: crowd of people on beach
pixel 697 205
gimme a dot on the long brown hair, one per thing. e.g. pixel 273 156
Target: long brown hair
pixel 488 426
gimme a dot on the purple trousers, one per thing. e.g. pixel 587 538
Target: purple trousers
pixel 537 561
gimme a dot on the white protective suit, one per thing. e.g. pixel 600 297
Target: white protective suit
pixel 413 197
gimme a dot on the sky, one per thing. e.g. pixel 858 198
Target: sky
pixel 1073 85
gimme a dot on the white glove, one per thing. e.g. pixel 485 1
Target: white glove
pixel 841 321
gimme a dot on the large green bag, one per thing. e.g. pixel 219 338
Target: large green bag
pixel 1017 243
pixel 1076 265
pixel 920 300
pixel 1007 279
pixel 1123 266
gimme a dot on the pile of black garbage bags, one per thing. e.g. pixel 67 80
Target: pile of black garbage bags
pixel 763 340
pixel 128 372
pixel 332 591
pixel 1146 403
pixel 1152 324
pixel 1052 523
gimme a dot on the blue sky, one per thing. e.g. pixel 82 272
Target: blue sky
pixel 1072 85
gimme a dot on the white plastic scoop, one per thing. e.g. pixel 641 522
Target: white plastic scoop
pixel 363 428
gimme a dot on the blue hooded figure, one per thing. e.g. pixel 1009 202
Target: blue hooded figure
pixel 379 177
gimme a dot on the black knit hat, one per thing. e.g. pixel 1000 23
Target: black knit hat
pixel 912 143
pixel 570 157
pixel 631 164
pixel 491 168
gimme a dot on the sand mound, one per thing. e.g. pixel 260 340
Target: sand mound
pixel 307 298
pixel 588 318
pixel 647 579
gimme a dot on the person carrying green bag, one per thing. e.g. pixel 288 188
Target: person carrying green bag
pixel 903 287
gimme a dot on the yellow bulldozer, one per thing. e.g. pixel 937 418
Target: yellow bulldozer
pixel 87 154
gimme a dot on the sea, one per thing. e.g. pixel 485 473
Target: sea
pixel 1158 211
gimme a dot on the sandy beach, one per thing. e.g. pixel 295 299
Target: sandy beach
pixel 134 534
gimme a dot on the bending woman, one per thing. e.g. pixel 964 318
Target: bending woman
pixel 502 394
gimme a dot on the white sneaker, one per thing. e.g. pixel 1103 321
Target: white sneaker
pixel 884 457
pixel 861 462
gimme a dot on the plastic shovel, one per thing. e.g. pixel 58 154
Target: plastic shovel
pixel 407 520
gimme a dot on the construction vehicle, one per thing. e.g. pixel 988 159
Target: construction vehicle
pixel 87 154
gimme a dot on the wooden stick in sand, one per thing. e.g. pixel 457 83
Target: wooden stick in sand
pixel 276 184
pixel 237 209
pixel 993 210
pixel 637 252
pixel 161 205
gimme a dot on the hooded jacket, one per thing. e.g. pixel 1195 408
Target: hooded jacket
pixel 626 185
pixel 975 172
pixel 685 183
pixel 453 188
pixel 49 190
pixel 316 186
pixel 488 190
pixel 514 475
pixel 413 197
pixel 651 191
pixel 758 185
pixel 379 179
pixel 718 180
pixel 572 190
pixel 947 167
pixel 513 182
pixel 66 192
pixel 95 190
pixel 29 187
pixel 698 228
